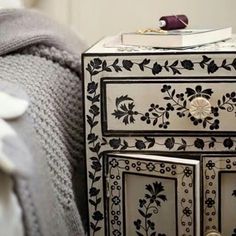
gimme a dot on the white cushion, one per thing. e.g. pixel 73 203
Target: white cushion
pixel 11 107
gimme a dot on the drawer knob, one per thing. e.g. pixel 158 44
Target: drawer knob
pixel 200 108
pixel 213 233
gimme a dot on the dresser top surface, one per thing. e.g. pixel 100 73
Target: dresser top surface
pixel 112 45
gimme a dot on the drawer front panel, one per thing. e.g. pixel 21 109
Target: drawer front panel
pixel 134 106
pixel 148 196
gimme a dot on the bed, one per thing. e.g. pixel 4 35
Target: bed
pixel 42 184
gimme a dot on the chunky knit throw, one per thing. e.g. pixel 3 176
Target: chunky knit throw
pixel 44 60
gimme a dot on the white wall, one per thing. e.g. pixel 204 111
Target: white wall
pixel 93 19
pixel 57 9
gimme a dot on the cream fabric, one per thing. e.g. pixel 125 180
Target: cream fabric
pixel 11 223
pixel 10 210
pixel 11 107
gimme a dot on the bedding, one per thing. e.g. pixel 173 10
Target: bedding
pixel 43 59
pixel 12 150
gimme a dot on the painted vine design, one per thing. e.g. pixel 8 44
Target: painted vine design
pixel 210 174
pixel 170 143
pixel 157 114
pixel 185 176
pixel 95 142
pixel 148 206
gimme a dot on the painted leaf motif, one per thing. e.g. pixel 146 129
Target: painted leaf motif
pixel 122 99
pixel 211 144
pixel 115 66
pixel 125 145
pixel 118 113
pixel 91 175
pixel 190 92
pixel 139 234
pixel 142 213
pixel 97 228
pixel 162 196
pixel 143 63
pixel 205 59
pixel 234 63
pixel 175 63
pixel 175 71
pixel 93 203
pixel 207 91
pixel 181 147
pixel 89 69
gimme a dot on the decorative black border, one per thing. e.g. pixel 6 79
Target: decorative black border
pixel 145 80
pixel 96 143
pixel 210 170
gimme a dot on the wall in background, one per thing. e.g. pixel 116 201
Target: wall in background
pixel 93 19
pixel 57 9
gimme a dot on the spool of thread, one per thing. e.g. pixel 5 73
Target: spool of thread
pixel 173 22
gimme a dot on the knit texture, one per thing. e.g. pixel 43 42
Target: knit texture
pixel 44 59
pixel 21 28
pixel 56 112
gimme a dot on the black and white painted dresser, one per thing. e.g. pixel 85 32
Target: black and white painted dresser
pixel 161 140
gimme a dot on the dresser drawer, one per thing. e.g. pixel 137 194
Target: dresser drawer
pixel 164 106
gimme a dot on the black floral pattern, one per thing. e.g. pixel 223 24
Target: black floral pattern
pixel 211 169
pixel 187 211
pixel 228 102
pixel 210 202
pixel 171 143
pixel 128 115
pixel 148 206
pixel 228 143
pixel 188 172
pixel 159 115
pixel 210 164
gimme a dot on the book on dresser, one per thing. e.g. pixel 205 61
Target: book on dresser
pixel 177 38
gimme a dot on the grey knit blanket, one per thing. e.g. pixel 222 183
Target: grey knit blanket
pixel 43 59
